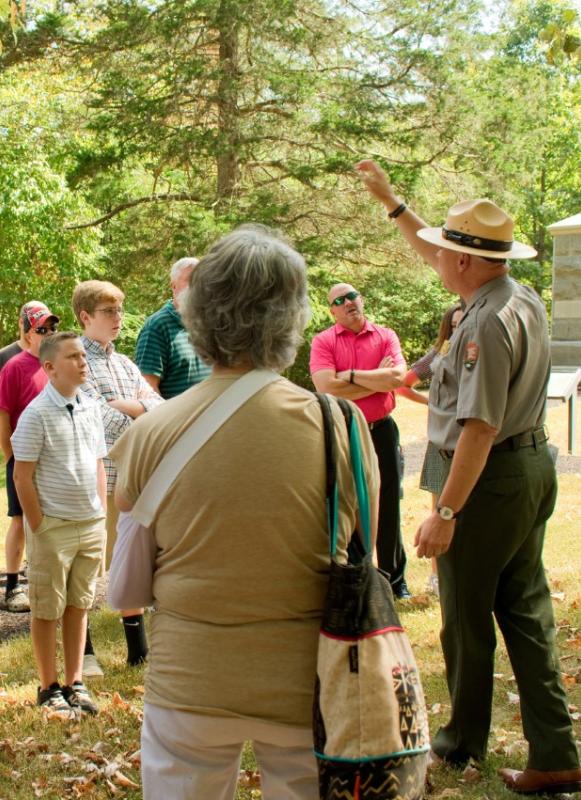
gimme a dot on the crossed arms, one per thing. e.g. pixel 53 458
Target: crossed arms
pixel 365 381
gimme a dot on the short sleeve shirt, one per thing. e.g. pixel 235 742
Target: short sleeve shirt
pixel 497 368
pixel 339 348
pixel 164 350
pixel 20 381
pixel 65 437
pixel 113 376
pixel 423 366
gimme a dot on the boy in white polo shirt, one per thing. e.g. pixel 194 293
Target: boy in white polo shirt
pixel 59 446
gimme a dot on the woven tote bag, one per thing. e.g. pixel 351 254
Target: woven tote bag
pixel 370 722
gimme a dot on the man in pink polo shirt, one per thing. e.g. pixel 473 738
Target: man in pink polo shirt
pixel 363 362
pixel 21 380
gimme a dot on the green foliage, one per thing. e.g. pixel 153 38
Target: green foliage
pixel 159 126
pixel 38 257
pixel 563 37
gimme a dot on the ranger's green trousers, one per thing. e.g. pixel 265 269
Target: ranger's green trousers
pixel 493 569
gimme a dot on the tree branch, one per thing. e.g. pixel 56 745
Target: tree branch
pixel 154 198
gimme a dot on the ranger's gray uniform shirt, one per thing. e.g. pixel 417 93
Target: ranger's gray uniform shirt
pixel 497 368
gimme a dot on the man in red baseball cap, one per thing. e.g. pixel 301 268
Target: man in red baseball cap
pixel 21 379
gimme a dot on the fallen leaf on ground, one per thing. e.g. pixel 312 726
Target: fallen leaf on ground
pixel 112 788
pixel 7 746
pixel 118 701
pixel 435 708
pixel 84 789
pixel 513 698
pixel 421 600
pixel 472 775
pixel 138 690
pixel 122 780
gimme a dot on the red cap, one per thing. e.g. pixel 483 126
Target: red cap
pixel 35 315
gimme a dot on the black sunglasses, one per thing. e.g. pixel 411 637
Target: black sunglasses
pixel 338 301
pixel 43 330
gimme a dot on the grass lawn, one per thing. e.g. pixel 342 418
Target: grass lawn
pixel 98 758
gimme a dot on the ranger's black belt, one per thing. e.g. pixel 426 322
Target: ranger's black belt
pixel 526 439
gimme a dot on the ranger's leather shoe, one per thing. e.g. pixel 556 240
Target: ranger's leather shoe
pixel 536 781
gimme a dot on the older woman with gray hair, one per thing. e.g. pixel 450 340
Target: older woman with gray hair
pixel 243 552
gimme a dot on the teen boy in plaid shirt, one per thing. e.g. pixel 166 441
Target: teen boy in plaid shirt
pixel 123 395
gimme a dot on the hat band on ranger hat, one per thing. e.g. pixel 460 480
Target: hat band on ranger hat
pixel 477 242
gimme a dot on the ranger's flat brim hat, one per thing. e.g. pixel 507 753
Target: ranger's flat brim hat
pixel 478 227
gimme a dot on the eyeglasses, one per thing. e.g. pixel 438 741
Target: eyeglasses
pixel 339 301
pixel 112 311
pixel 42 330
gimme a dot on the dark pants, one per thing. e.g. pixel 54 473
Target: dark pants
pixel 390 552
pixel 14 507
pixel 493 569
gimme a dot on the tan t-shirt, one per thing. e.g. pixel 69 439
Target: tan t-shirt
pixel 242 569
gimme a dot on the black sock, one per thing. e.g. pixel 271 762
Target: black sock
pixel 88 643
pixel 11 581
pixel 137 650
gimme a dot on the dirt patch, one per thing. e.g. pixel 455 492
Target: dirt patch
pixel 12 624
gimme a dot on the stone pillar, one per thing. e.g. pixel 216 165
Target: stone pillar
pixel 566 328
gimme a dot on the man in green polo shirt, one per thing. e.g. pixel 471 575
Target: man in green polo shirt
pixel 164 354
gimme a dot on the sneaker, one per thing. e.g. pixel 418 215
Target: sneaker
pixel 17 600
pixel 433 586
pixel 77 696
pixel 53 700
pixel 401 591
pixel 91 667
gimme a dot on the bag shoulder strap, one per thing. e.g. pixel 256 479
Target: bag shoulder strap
pixel 332 490
pixel 331 487
pixel 194 438
pixel 358 472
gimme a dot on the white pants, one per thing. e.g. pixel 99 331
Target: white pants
pixel 186 756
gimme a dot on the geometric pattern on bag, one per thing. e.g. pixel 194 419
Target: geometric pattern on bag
pixel 370 724
pixel 389 779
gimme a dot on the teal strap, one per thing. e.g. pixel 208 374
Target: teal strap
pixel 360 483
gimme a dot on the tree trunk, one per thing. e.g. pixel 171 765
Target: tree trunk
pixel 228 115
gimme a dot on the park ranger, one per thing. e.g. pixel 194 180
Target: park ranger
pixel 486 412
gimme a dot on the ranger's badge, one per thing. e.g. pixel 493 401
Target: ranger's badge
pixel 471 355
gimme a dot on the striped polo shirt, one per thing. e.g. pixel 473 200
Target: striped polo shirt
pixel 65 437
pixel 164 350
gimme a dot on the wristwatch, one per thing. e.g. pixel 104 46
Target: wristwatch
pixel 446 512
